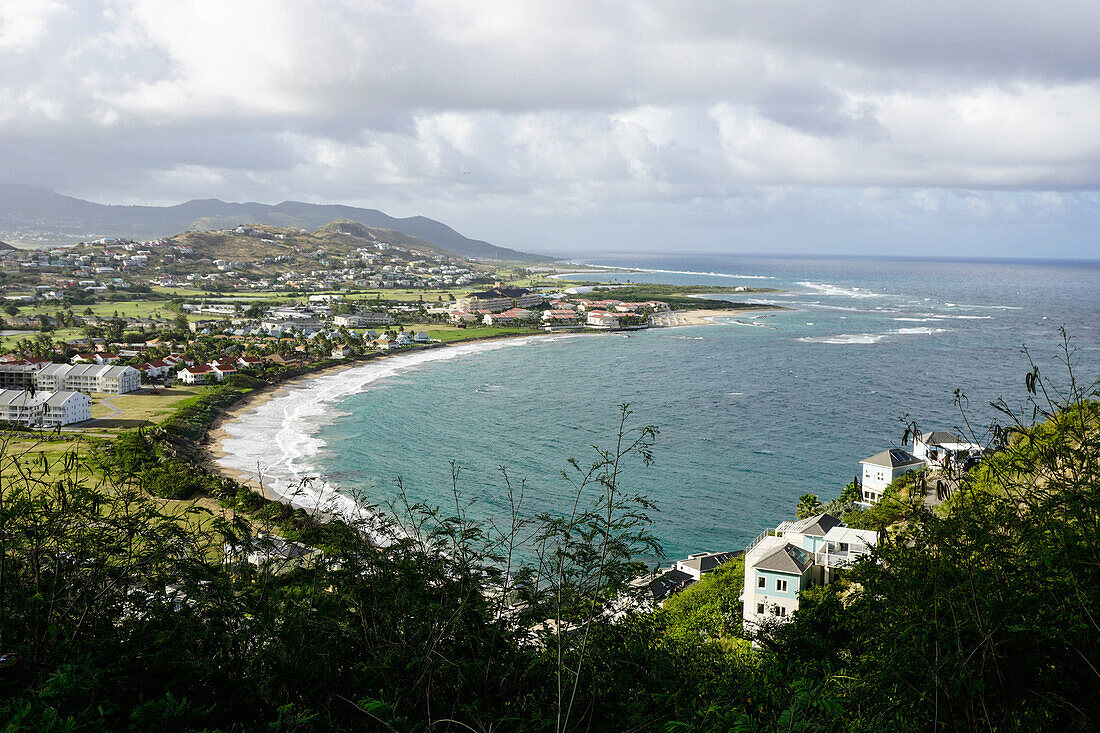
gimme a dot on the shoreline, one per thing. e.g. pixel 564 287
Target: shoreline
pixel 213 443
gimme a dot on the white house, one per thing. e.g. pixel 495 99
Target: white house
pixel 880 470
pixel 940 449
pixel 602 319
pixel 198 374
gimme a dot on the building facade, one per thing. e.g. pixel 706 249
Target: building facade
pixel 88 378
pixel 785 561
pixel 44 409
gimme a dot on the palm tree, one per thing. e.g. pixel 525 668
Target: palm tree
pixel 808 505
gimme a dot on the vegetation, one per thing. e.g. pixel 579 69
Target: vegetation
pixel 118 614
pixel 681 297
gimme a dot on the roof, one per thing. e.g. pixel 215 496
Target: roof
pixel 852 536
pixel 500 293
pixel 704 562
pixel 665 583
pixel 84 370
pixel 939 437
pixel 892 458
pixel 787 559
pixel 817 525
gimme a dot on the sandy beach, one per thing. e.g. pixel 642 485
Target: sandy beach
pixel 700 317
pixel 216 434
pixel 227 450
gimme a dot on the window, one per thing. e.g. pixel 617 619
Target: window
pixel 843 546
pixel 760 582
pixel 760 609
pixel 780 611
pixel 780 585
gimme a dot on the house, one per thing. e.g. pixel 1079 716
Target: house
pixel 653 589
pixel 464 317
pixel 223 368
pixel 156 369
pixel 783 562
pixel 341 351
pixel 422 337
pixel 403 339
pixel 44 409
pixel 98 357
pixel 246 362
pixel 940 449
pixel 383 342
pixel 270 553
pixel 880 470
pixel 701 563
pixel 88 378
pixel 198 374
pixel 512 315
pixel 602 319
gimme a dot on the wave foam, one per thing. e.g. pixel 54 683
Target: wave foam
pixel 838 290
pixel 871 338
pixel 275 442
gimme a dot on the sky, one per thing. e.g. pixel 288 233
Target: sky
pixel 937 127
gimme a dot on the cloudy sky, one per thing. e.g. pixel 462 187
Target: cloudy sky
pixel 869 126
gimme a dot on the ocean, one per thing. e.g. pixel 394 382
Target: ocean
pixel 753 411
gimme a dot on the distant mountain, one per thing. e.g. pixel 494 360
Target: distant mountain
pixel 37 213
pixel 5 245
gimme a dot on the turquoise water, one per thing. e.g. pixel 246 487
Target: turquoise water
pixel 752 414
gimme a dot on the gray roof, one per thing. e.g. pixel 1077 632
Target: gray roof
pixel 787 559
pixel 705 562
pixel 940 437
pixel 668 582
pixel 81 370
pixel 892 458
pixel 816 525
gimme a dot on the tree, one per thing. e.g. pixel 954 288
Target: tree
pixel 808 505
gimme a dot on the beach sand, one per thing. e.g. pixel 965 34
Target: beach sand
pixel 701 317
pixel 216 433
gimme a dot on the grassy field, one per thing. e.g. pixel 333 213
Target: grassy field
pixel 113 413
pixel 61 334
pixel 450 334
pixel 25 454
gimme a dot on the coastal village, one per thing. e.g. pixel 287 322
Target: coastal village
pixel 86 323
pixel 155 320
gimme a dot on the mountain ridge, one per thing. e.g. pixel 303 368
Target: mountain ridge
pixel 31 210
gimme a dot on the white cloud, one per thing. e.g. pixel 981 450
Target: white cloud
pixel 560 106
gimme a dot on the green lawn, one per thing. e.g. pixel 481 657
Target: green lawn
pixel 138 408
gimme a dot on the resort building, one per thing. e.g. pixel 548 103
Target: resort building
pixel 366 318
pixel 18 374
pixel 88 378
pixel 602 319
pixel 783 562
pixel 499 299
pixel 880 470
pixel 44 409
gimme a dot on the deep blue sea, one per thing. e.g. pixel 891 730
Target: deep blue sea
pixel 753 411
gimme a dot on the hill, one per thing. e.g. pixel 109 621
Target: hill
pixel 5 245
pixel 39 214
pixel 335 238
